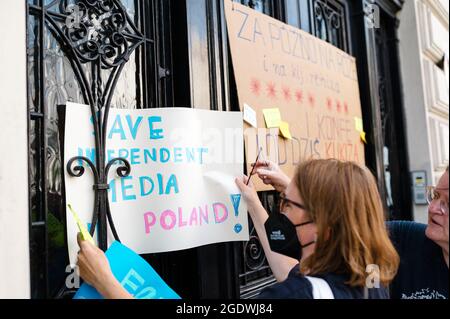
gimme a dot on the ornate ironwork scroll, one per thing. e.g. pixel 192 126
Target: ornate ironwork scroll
pixel 97 35
pixel 329 22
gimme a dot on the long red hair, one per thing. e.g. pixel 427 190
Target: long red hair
pixel 343 200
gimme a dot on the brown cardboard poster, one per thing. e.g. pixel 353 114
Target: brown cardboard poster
pixel 312 83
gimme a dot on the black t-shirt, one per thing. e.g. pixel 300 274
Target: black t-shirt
pixel 423 273
pixel 296 286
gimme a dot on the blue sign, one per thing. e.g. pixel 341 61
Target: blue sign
pixel 134 274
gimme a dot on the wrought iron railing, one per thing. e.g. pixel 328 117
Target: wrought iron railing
pixel 77 50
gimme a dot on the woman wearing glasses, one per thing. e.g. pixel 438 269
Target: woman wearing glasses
pixel 329 239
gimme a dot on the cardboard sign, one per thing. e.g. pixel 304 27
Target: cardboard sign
pixel 313 84
pixel 181 192
pixel 134 274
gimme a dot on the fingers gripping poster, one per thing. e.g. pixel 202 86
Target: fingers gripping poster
pixel 181 191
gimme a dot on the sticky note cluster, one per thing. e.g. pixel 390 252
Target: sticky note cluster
pixel 273 119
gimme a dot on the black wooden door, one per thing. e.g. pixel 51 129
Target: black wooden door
pixel 395 154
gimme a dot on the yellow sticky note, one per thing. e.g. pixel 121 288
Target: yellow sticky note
pixel 84 232
pixel 272 117
pixel 359 124
pixel 363 136
pixel 284 129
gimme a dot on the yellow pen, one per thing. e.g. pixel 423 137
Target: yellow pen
pixel 84 232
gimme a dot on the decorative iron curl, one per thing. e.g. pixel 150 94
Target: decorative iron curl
pixel 323 12
pixel 253 253
pixel 123 171
pixel 78 171
pixel 108 21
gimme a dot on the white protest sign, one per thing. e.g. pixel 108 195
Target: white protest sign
pixel 181 192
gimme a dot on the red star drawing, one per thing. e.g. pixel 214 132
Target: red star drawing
pixel 255 86
pixel 287 93
pixel 271 90
pixel 329 104
pixel 338 106
pixel 299 96
pixel 311 99
pixel 345 107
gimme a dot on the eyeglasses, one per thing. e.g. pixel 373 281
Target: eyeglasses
pixel 433 194
pixel 284 201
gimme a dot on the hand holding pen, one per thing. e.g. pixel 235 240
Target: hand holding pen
pixel 271 174
pixel 254 166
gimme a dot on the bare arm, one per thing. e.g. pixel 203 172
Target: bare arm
pixel 95 270
pixel 112 289
pixel 280 265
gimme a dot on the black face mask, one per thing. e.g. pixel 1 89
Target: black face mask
pixel 282 236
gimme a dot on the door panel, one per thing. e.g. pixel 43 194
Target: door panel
pixel 57 75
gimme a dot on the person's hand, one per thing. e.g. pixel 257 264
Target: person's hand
pixel 95 270
pixel 93 265
pixel 248 191
pixel 271 174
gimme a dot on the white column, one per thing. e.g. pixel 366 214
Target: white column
pixel 423 35
pixel 14 223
